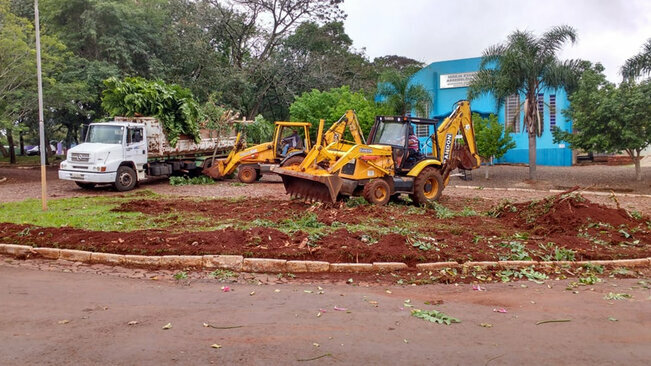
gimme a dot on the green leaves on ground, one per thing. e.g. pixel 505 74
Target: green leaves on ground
pixel 617 296
pixel 434 316
pixel 184 181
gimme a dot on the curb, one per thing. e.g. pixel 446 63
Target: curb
pixel 265 265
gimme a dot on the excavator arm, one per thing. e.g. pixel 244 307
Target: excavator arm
pixel 240 154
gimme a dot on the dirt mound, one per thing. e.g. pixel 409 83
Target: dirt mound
pixel 563 213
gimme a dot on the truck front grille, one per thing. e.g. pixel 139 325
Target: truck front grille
pixel 80 157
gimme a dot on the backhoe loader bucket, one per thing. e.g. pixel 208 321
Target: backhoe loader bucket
pixel 323 188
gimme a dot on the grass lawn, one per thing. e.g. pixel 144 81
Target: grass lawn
pixel 91 213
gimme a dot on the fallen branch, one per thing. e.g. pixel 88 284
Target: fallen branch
pixel 216 327
pixel 314 358
pixel 554 321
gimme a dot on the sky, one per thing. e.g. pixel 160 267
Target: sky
pixel 609 31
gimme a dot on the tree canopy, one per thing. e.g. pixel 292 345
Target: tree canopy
pixel 527 65
pixel 609 118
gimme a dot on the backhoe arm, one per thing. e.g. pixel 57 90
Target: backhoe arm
pixel 460 121
pixel 336 132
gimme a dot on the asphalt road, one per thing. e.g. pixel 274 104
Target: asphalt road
pixel 71 315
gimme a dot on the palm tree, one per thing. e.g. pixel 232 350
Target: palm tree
pixel 526 65
pixel 639 64
pixel 401 96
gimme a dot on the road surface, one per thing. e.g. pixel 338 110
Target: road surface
pixel 73 314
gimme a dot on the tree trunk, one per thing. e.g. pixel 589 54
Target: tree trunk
pixel 532 156
pixel 22 143
pixel 4 151
pixel 635 156
pixel 12 150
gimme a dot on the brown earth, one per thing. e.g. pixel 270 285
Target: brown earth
pixel 389 233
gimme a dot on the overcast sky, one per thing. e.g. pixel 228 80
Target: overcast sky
pixel 610 31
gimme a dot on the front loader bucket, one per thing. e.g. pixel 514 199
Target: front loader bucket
pixel 323 188
pixel 215 171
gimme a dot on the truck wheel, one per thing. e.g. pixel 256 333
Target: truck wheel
pixel 377 192
pixel 85 185
pixel 428 186
pixel 294 160
pixel 247 174
pixel 125 179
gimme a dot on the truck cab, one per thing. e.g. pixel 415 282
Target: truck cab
pixel 112 153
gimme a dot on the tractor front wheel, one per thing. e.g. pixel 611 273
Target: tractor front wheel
pixel 247 174
pixel 377 192
pixel 428 186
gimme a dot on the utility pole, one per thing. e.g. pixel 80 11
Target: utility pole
pixel 41 126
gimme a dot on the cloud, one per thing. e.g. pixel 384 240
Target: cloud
pixel 609 31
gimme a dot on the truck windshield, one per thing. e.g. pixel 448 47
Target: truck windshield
pixel 105 134
pixel 390 133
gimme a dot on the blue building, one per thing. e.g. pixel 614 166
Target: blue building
pixel 447 83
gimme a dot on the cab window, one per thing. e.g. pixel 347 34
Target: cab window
pixel 134 135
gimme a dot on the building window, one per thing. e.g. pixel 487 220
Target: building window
pixel 422 130
pixel 541 107
pixel 513 113
pixel 552 111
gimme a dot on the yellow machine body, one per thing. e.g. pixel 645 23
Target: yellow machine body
pixel 379 170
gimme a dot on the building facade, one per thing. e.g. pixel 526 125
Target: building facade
pixel 447 82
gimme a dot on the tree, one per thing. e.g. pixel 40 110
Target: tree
pixel 400 95
pixel 639 64
pixel 608 118
pixel 526 65
pixel 404 65
pixel 331 105
pixel 493 140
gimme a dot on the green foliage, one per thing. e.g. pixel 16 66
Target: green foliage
pixel 223 274
pixel 639 64
pixel 356 201
pixel 173 105
pixel 184 181
pixel 609 118
pixel 617 296
pixel 526 65
pixel 180 275
pixel 434 316
pixel 529 273
pixel 402 96
pixel 590 279
pixel 518 251
pixel 492 139
pixel 331 105
pixel 259 131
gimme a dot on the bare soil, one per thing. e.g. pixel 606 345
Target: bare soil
pixel 568 221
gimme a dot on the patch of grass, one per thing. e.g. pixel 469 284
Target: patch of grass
pixel 183 181
pixel 90 213
pixel 31 160
pixel 180 275
pixel 442 212
pixel 635 214
pixel 223 274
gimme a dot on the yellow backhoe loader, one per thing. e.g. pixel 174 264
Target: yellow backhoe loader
pixel 287 148
pixel 386 166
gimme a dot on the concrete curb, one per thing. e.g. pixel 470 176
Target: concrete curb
pixel 266 265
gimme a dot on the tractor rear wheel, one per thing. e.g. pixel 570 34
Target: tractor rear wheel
pixel 428 186
pixel 247 174
pixel 377 192
pixel 294 160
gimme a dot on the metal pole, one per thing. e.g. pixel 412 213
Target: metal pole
pixel 41 126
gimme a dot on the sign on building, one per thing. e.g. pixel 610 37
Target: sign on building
pixel 459 80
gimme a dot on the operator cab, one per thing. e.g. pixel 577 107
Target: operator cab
pixel 395 131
